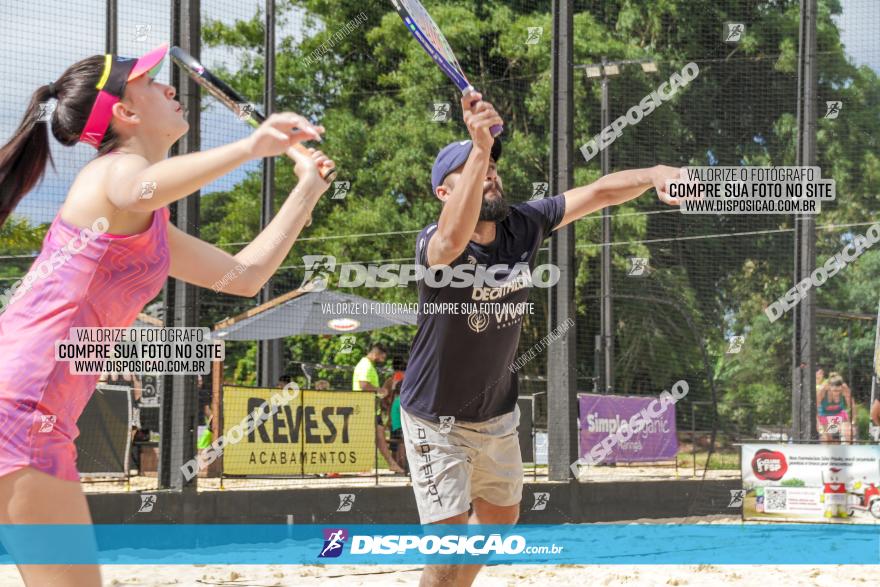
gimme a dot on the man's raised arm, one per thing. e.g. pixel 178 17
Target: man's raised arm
pixel 461 207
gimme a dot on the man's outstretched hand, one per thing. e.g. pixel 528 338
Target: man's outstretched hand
pixel 663 174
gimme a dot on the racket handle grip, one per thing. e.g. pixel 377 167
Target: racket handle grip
pixel 496 129
pixel 327 174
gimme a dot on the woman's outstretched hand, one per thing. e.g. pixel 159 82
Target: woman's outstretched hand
pixel 310 167
pixel 280 132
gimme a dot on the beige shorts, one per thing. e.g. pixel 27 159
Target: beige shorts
pixel 453 462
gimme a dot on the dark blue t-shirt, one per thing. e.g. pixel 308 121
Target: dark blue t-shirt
pixel 460 363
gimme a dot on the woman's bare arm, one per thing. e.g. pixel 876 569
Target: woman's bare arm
pixel 134 184
pixel 820 393
pixel 244 273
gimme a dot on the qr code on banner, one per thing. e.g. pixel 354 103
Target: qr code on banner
pixel 775 500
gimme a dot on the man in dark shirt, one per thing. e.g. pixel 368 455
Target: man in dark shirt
pixel 458 401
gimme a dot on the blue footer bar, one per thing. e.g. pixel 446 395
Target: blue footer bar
pixel 240 544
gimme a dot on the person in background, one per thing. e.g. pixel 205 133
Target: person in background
pixel 322 385
pixel 205 432
pixel 397 446
pixel 206 398
pixel 875 420
pixel 835 409
pixel 366 378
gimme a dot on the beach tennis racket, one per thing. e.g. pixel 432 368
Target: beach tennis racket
pixel 229 97
pixel 431 38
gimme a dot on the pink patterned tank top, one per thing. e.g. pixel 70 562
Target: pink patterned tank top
pixel 99 280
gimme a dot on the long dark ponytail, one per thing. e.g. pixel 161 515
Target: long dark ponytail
pixel 23 159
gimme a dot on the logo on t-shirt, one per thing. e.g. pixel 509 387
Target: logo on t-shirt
pixel 520 277
pixel 478 321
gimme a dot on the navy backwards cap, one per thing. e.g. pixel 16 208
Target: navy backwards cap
pixel 454 155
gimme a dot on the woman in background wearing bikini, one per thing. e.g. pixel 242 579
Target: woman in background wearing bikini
pixel 835 409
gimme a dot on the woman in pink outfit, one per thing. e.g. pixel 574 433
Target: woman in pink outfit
pixel 106 254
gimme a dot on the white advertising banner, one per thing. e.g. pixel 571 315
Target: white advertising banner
pixel 808 482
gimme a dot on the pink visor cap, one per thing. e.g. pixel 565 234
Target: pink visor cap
pixel 117 72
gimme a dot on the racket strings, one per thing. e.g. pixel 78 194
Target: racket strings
pixel 431 32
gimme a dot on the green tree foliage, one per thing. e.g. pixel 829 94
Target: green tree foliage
pixel 375 88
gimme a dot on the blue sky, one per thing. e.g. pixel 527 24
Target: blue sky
pixel 38 43
pixel 77 26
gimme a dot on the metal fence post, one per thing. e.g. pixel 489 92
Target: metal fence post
pixel 562 374
pixel 179 419
pixel 268 351
pixel 111 31
pixel 804 331
pixel 607 321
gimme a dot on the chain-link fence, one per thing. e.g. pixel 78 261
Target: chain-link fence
pixel 688 293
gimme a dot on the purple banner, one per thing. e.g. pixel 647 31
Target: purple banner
pixel 602 415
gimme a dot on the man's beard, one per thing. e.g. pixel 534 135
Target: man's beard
pixel 494 209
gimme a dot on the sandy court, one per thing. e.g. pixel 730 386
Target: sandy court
pixel 497 576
